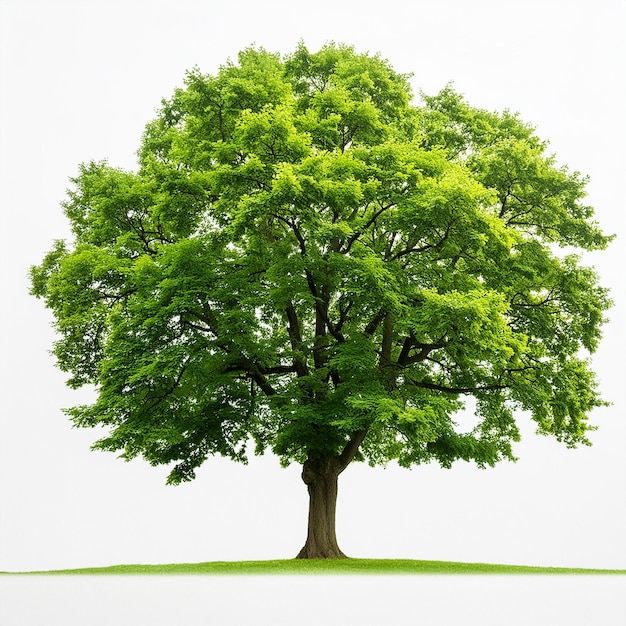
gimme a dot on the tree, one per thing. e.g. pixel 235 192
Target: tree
pixel 306 259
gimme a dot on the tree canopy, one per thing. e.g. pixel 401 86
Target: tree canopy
pixel 308 258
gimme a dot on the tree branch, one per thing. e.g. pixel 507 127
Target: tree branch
pixel 278 369
pixel 261 381
pixel 387 341
pixel 406 251
pixel 351 449
pixel 412 249
pixel 425 349
pixel 367 224
pixel 457 390
pixel 295 336
pixel 370 329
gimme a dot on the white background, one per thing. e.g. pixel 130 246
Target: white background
pixel 78 82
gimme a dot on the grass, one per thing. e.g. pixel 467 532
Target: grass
pixel 322 566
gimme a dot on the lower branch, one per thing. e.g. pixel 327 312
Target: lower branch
pixel 351 449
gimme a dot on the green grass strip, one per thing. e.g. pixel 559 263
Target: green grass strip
pixel 322 566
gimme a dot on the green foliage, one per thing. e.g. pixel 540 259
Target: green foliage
pixel 304 255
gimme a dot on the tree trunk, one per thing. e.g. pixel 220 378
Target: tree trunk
pixel 321 477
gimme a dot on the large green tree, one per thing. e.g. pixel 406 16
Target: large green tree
pixel 307 259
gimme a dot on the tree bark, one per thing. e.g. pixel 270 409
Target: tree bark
pixel 321 477
pixel 321 474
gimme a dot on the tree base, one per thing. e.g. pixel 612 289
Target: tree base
pixel 331 553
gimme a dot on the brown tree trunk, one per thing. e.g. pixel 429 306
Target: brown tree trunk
pixel 321 477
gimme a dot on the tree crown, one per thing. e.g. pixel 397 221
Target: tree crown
pixel 307 258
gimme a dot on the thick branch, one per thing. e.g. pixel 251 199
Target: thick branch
pixel 406 358
pixel 334 329
pixel 351 449
pixel 343 317
pixel 370 329
pixel 293 328
pixel 249 368
pixel 320 332
pixel 261 381
pixel 299 237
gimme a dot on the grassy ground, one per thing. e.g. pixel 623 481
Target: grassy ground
pixel 323 566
